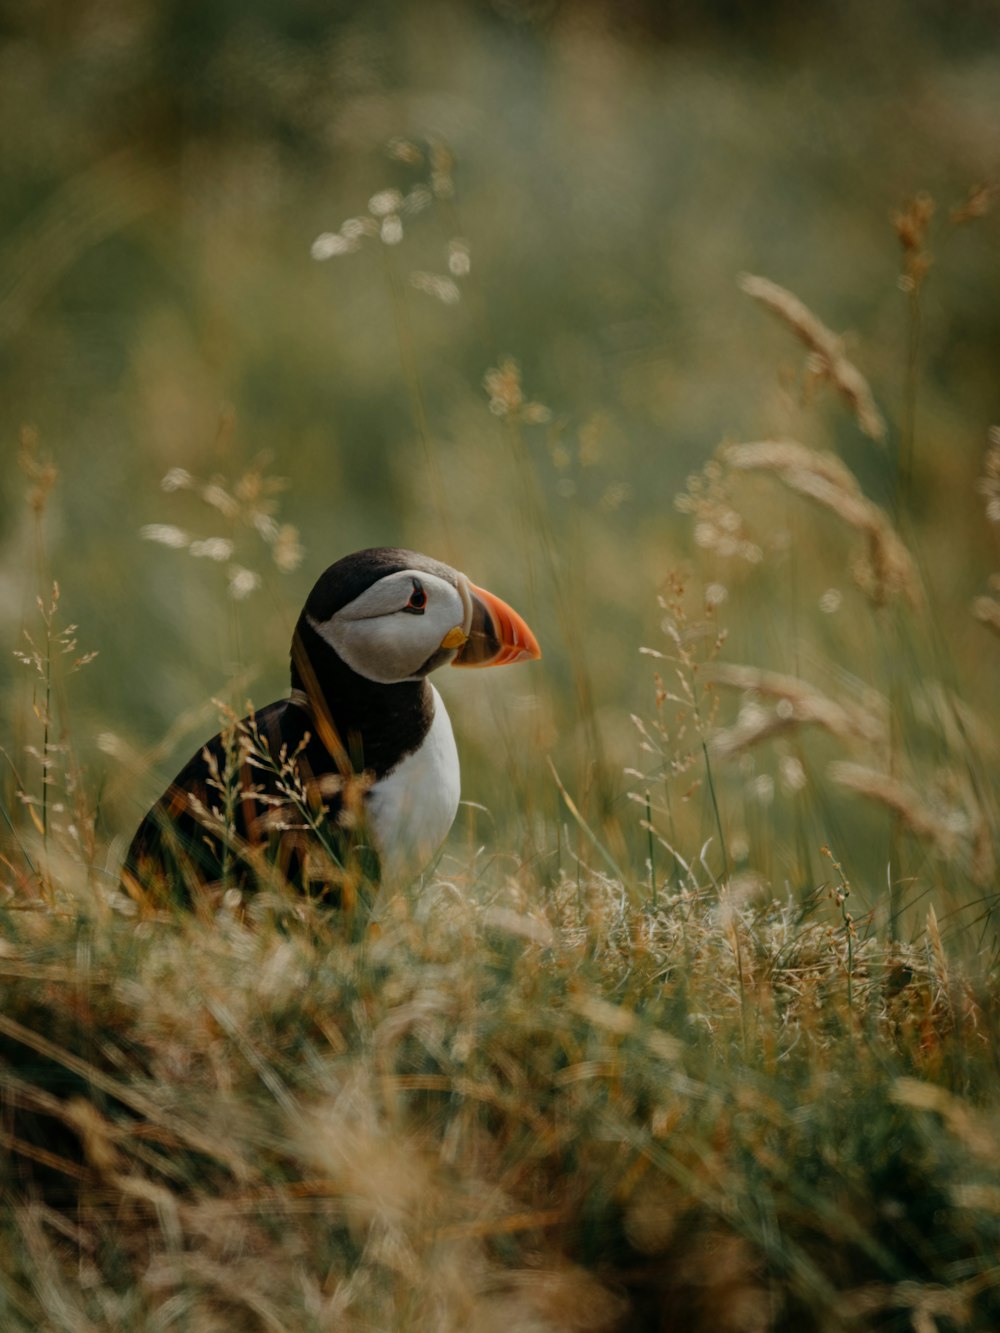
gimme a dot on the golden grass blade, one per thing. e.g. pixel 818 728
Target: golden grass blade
pixel 582 823
pixel 886 569
pixel 799 704
pixel 826 346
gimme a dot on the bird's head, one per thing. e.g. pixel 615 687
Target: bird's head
pixel 393 615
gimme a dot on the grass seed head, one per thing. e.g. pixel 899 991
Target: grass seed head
pixel 827 356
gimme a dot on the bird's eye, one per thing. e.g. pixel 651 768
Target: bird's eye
pixel 418 599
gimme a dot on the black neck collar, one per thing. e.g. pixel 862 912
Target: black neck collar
pixel 378 725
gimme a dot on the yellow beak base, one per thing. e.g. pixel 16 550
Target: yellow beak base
pixel 455 638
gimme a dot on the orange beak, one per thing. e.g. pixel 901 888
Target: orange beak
pixel 497 634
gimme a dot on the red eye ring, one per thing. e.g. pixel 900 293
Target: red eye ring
pixel 418 598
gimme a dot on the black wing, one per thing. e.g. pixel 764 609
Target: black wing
pixel 260 805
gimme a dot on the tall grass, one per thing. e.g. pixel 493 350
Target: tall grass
pixel 710 1059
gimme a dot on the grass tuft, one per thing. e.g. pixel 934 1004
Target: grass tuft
pixel 553 1109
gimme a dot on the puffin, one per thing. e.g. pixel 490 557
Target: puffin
pixel 347 787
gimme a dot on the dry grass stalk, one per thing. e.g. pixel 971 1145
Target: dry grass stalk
pixel 924 822
pixel 41 473
pixel 987 609
pixel 506 393
pixel 799 704
pixel 791 456
pixel 988 484
pixel 925 1302
pixel 718 525
pixel 987 612
pixel 912 226
pixel 371 1175
pixel 887 569
pixel 826 347
pixel 976 204
pixel 971 1127
pixel 982 859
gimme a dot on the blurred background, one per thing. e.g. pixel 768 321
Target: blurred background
pixel 465 275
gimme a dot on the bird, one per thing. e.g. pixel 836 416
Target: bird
pixel 353 778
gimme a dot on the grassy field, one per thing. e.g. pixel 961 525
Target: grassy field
pixel 682 337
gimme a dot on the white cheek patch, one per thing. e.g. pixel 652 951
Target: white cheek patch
pixel 368 647
pixel 382 642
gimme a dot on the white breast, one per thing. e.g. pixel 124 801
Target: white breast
pixel 412 808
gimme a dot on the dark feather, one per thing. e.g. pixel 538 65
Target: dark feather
pixel 260 805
